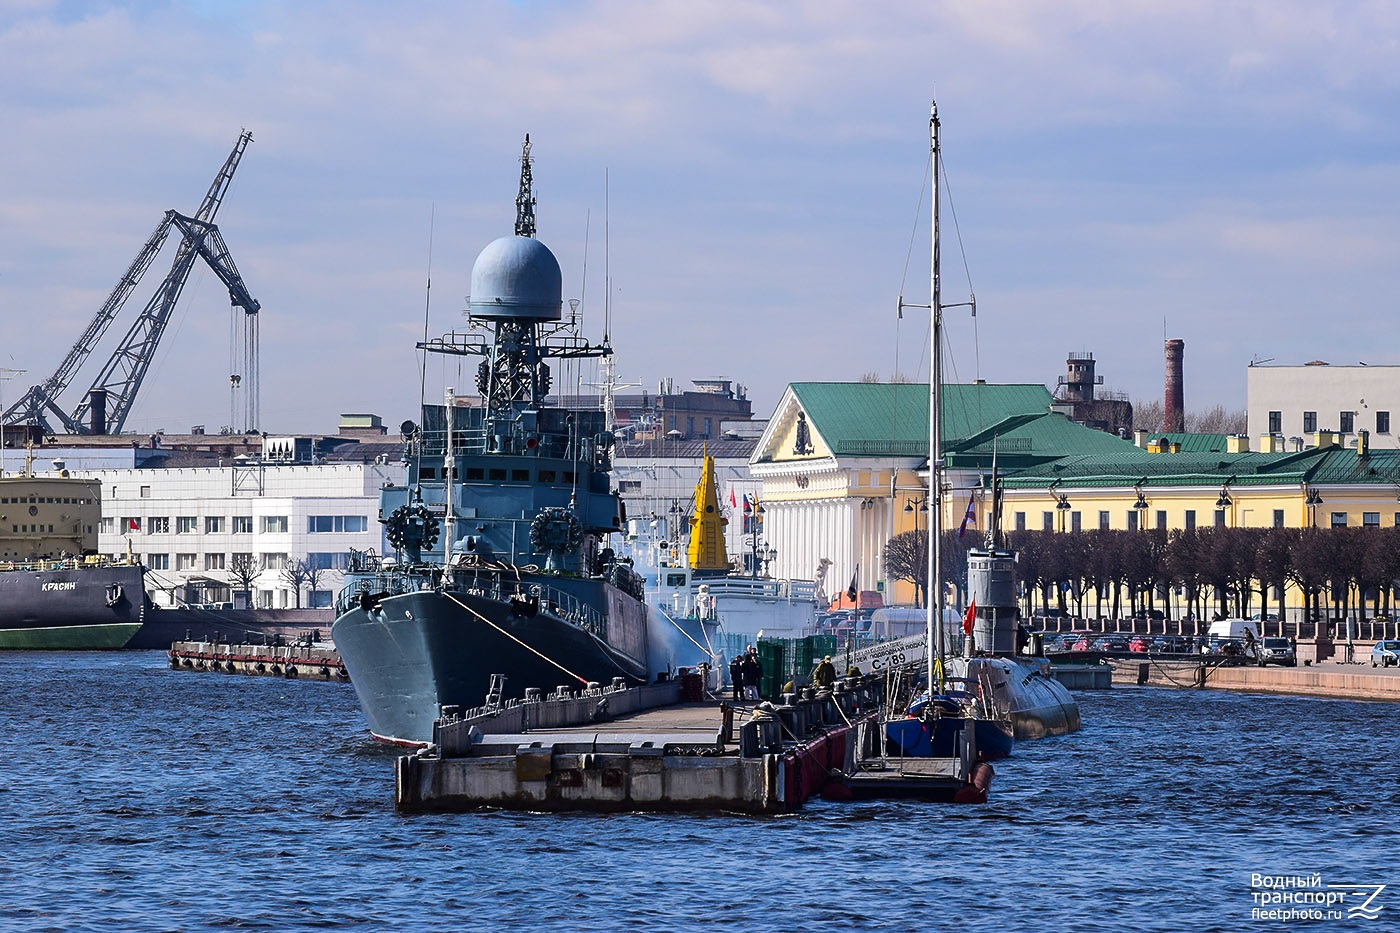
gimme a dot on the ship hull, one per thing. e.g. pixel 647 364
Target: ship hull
pixel 1023 693
pixel 411 654
pixel 70 607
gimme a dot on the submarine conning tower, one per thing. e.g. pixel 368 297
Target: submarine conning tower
pixel 991 581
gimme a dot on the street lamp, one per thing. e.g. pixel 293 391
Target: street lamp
pixel 914 506
pixel 753 518
pixel 1312 501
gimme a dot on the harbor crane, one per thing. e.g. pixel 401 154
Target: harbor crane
pixel 105 406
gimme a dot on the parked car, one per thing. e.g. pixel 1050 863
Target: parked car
pixel 1139 643
pixel 1113 643
pixel 1275 651
pixel 1385 653
pixel 1170 644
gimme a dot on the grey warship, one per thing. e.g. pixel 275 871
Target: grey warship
pixel 501 578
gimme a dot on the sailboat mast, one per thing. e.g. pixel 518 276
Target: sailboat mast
pixel 934 597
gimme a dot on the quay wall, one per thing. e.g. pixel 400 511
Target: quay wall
pixel 1342 681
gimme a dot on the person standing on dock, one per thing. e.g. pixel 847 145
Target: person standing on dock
pixel 736 676
pixel 752 673
pixel 824 675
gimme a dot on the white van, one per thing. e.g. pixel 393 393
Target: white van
pixel 1235 628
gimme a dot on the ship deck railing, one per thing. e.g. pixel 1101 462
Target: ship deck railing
pixel 791 590
pixel 488 583
pixel 69 563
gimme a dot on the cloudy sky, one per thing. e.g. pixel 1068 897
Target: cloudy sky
pixel 751 175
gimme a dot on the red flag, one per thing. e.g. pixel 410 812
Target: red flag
pixel 133 524
pixel 733 503
pixel 970 616
pixel 970 515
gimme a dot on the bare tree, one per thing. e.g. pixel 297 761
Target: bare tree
pixel 1149 415
pixel 313 577
pixel 906 558
pixel 244 569
pixel 295 575
pixel 1216 420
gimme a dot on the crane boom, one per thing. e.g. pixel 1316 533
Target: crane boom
pixel 40 399
pixel 121 378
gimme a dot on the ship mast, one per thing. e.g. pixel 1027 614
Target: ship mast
pixel 935 440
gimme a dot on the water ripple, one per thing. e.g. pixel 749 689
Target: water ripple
pixel 135 797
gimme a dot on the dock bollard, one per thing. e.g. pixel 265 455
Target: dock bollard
pixel 726 724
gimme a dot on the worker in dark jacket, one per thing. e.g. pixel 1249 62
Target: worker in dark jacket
pixel 736 676
pixel 752 674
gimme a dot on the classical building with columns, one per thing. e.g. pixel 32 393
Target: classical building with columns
pixel 844 468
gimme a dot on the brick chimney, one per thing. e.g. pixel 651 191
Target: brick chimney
pixel 1175 420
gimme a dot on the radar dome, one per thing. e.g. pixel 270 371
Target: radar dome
pixel 516 277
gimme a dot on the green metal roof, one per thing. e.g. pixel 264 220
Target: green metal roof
pixel 891 419
pixel 1194 443
pixel 1315 467
pixel 883 419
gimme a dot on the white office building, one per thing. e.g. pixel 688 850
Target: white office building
pixel 195 527
pixel 1297 402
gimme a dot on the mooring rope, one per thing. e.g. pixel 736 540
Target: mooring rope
pixel 522 644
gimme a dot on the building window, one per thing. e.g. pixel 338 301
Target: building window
pixel 1347 420
pixel 130 523
pixel 1278 518
pixel 243 559
pixel 274 524
pixel 1339 519
pixel 275 561
pixel 108 525
pixel 1075 521
pixel 709 426
pixel 243 524
pixel 214 524
pixel 1275 422
pixel 1161 519
pixel 328 561
pixel 1309 422
pixel 1103 521
pixel 1190 519
pixel 1371 519
pixel 214 561
pixel 186 561
pixel 1382 422
pixel 1132 520
pixel 1047 520
pixel 1020 521
pixel 1219 518
pixel 328 524
pixel 158 561
pixel 158 525
pixel 145 492
pixel 629 485
pixel 186 524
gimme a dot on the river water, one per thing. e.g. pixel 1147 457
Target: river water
pixel 133 797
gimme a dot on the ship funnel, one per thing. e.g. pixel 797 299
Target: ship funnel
pixel 97 411
pixel 991 580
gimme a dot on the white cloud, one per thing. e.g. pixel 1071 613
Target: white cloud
pixel 1112 163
